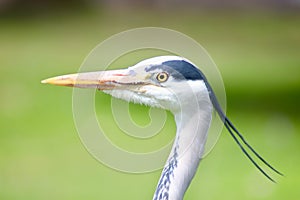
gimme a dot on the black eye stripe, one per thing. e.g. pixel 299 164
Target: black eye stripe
pixel 178 69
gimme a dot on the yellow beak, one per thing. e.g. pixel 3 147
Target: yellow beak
pixel 102 80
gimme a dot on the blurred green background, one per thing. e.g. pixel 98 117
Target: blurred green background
pixel 256 47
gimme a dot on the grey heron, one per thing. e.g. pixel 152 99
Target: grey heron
pixel 176 84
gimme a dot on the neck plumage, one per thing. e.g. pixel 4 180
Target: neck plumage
pixel 186 153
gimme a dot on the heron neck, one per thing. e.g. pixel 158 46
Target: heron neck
pixel 187 150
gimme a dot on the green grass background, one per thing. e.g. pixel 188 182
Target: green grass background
pixel 41 156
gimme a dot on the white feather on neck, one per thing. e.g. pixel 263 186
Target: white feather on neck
pixel 193 121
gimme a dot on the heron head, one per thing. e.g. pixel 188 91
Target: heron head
pixel 166 82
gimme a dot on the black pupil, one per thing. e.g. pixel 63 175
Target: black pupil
pixel 162 76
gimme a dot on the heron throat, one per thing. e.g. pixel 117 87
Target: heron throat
pixel 192 127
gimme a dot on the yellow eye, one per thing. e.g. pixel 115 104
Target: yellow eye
pixel 162 77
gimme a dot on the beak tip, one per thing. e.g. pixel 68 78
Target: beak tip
pixel 66 80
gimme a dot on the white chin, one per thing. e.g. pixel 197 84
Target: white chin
pixel 131 96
